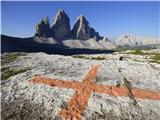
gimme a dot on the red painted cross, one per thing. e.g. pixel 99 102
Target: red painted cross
pixel 84 89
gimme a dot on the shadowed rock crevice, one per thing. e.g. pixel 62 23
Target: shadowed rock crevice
pixel 128 85
pixel 131 96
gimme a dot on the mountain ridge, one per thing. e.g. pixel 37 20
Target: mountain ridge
pixel 135 40
pixel 60 28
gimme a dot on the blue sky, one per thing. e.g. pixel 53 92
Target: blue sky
pixel 110 19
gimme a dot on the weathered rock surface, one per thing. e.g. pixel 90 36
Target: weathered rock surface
pixel 43 28
pixel 61 25
pixel 22 99
pixel 133 41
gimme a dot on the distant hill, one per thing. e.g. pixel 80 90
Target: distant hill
pixel 135 41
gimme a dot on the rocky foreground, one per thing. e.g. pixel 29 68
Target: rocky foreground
pixel 98 87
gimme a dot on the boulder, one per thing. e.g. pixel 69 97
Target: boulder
pixel 43 28
pixel 61 25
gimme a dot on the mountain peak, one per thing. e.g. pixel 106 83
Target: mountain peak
pixel 61 27
pixel 61 11
pixel 81 28
pixel 43 28
pixel 81 17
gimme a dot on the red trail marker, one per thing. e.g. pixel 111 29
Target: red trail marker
pixel 84 89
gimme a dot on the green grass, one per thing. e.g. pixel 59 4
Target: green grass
pixel 121 49
pixel 156 56
pixel 90 57
pixel 7 73
pixel 98 58
pixel 10 57
pixel 7 58
pixel 155 61
pixel 80 56
pixel 4 68
pixel 136 52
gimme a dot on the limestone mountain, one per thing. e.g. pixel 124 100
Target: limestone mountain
pixel 60 28
pixel 82 35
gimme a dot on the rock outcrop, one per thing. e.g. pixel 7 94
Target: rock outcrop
pixel 120 90
pixel 61 25
pixel 43 28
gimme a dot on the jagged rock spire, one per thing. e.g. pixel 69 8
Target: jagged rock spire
pixel 61 25
pixel 81 28
pixel 43 28
pixel 60 28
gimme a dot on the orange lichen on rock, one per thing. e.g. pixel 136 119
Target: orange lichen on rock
pixel 84 89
